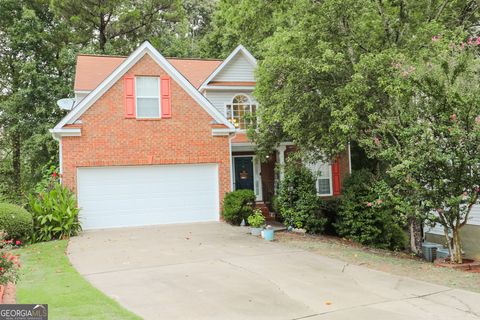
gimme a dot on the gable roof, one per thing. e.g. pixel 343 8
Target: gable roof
pixel 238 50
pixel 145 48
pixel 91 70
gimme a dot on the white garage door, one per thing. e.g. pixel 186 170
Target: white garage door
pixel 147 195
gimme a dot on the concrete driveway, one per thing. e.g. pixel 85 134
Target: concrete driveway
pixel 215 271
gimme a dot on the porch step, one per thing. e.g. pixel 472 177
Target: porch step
pixel 269 216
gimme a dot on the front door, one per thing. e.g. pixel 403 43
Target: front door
pixel 243 173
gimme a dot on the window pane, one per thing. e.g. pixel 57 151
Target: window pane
pixel 148 108
pixel 240 99
pixel 148 87
pixel 323 186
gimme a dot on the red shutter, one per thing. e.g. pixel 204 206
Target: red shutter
pixel 166 97
pixel 129 97
pixel 337 188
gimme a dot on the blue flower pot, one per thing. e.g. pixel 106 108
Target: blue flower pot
pixel 268 234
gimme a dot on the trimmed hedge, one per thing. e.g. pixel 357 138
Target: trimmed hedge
pixel 238 205
pixel 15 221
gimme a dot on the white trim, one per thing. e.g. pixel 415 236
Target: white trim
pixel 257 177
pixel 251 102
pixel 228 88
pixel 82 91
pixel 145 48
pixel 281 160
pixel 60 158
pixel 58 133
pixel 221 131
pixel 331 184
pixel 239 49
pixel 232 185
pixel 158 97
pixel 315 169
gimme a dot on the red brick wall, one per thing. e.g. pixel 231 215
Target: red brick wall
pixel 109 139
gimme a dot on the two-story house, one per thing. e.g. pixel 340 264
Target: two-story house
pixel 155 140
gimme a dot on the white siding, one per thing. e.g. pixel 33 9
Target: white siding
pixel 475 216
pixel 238 69
pixel 220 97
pixel 473 219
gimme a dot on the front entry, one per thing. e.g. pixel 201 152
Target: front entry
pixel 243 173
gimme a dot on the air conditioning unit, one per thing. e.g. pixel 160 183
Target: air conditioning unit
pixel 443 253
pixel 430 250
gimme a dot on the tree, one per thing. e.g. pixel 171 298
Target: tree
pixel 247 22
pixel 308 81
pixel 117 26
pixel 36 66
pixel 431 135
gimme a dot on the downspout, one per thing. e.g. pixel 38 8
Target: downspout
pixel 231 160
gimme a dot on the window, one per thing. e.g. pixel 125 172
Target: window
pixel 240 110
pixel 148 97
pixel 323 173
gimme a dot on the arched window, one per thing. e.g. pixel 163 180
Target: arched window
pixel 240 111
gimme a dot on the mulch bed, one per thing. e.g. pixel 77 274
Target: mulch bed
pixel 467 265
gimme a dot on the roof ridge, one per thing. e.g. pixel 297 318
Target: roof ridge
pixel 120 56
pixel 198 59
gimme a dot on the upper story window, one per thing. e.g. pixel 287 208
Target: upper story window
pixel 148 97
pixel 240 111
pixel 323 174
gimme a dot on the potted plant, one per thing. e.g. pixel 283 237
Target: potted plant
pixel 256 222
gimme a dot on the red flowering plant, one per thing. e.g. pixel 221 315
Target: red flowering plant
pixel 9 262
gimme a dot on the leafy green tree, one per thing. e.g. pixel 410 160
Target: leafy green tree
pixel 319 83
pixel 247 22
pixel 36 67
pixel 117 26
pixel 431 134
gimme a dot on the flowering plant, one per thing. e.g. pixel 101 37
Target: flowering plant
pixel 9 263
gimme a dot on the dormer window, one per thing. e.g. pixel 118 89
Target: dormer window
pixel 240 111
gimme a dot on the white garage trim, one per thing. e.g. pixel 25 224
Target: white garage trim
pixel 128 196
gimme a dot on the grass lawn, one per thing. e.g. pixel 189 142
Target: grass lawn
pixel 396 263
pixel 48 277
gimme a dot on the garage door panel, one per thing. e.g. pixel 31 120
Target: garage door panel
pixel 144 195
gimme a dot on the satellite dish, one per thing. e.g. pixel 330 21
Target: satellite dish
pixel 66 103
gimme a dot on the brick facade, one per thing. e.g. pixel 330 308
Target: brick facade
pixel 109 139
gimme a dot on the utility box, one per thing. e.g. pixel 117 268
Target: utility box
pixel 443 253
pixel 430 250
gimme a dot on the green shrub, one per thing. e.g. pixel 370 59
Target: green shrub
pixel 256 220
pixel 297 199
pixel 367 213
pixel 15 221
pixel 55 213
pixel 238 205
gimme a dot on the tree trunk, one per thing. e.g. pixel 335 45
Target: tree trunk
pixel 16 164
pixel 456 253
pixel 102 37
pixel 415 228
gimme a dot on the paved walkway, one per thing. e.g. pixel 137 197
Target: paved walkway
pixel 215 271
